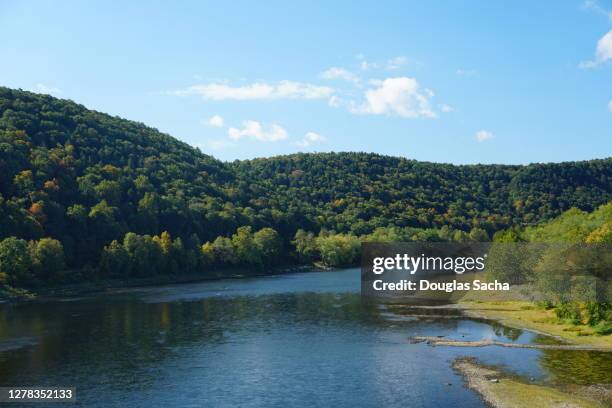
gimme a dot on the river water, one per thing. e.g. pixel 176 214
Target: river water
pixel 281 341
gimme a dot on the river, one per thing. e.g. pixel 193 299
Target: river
pixel 302 339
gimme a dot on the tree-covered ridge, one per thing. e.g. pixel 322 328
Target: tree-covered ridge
pixel 358 192
pixel 73 180
pixel 543 191
pixel 79 175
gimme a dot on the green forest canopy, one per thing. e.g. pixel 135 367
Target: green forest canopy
pixel 79 181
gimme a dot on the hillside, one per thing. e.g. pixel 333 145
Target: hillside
pixel 85 178
pixel 358 192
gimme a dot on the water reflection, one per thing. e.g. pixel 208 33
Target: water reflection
pixel 578 367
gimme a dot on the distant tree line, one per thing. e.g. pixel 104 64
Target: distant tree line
pixel 39 262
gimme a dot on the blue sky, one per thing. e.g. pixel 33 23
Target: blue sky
pixel 442 81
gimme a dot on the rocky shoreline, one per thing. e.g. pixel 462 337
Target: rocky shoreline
pixel 442 341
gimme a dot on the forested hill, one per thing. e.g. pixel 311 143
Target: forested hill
pixel 358 192
pixel 86 178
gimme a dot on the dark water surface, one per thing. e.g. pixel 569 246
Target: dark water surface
pixel 283 341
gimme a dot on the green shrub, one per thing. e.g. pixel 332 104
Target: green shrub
pixel 603 328
pixel 545 304
pixel 569 312
pixel 597 312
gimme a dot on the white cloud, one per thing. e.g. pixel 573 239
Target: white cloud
pixel 446 108
pixel 340 73
pixel 397 62
pixel 610 106
pixel 253 129
pixel 603 52
pixel 483 135
pixel 399 96
pixel 258 90
pixel 216 121
pixel 604 48
pixel 309 139
pixel 42 88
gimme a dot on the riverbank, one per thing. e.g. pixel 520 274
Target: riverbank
pixel 525 315
pixel 521 315
pixel 100 286
pixel 501 390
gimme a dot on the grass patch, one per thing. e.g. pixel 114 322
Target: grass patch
pixel 516 394
pixel 542 320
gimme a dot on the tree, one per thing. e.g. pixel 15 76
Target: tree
pixel 192 258
pixel 269 244
pixel 165 243
pixel 115 260
pixel 507 236
pixel 390 234
pixel 24 181
pixel 15 261
pixel 306 245
pixel 479 235
pixel 47 257
pixel 460 236
pixel 339 250
pixel 246 249
pixel 225 254
pixel 208 254
pixel 148 212
pixel 178 262
pixel 145 254
pixel 110 191
pixel 103 219
pixel 169 264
